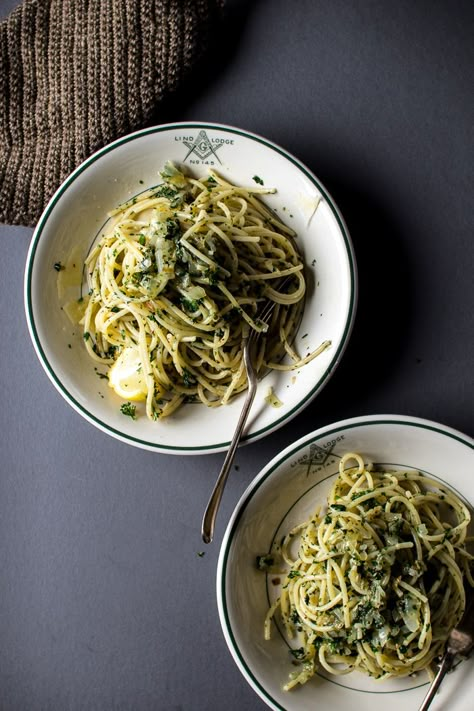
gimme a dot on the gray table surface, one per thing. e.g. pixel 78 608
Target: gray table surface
pixel 104 600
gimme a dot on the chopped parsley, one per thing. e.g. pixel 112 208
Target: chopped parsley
pixel 167 192
pixel 264 562
pixel 129 410
pixel 173 230
pixel 190 304
pixel 188 378
pixel 338 507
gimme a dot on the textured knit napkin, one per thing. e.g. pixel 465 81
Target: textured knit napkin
pixel 76 74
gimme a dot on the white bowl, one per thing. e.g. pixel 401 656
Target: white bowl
pixel 76 214
pixel 287 490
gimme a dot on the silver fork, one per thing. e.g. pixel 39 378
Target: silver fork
pixel 460 642
pixel 209 518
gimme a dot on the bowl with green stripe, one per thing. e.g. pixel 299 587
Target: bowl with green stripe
pixel 78 213
pixel 286 493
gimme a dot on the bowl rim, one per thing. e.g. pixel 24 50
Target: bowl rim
pixel 259 479
pixel 218 446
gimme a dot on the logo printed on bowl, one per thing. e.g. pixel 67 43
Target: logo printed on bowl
pixel 318 455
pixel 203 147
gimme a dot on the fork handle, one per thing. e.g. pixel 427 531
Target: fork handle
pixel 444 667
pixel 209 518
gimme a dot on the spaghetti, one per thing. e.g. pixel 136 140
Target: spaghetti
pixel 177 281
pixel 377 584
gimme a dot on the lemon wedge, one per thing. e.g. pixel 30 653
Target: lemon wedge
pixel 126 376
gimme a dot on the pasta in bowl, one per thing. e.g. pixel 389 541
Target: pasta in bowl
pixel 378 579
pixel 142 279
pixel 350 570
pixel 177 281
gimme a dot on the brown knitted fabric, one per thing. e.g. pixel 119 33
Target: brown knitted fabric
pixel 75 74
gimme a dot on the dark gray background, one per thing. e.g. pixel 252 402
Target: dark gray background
pixel 104 601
